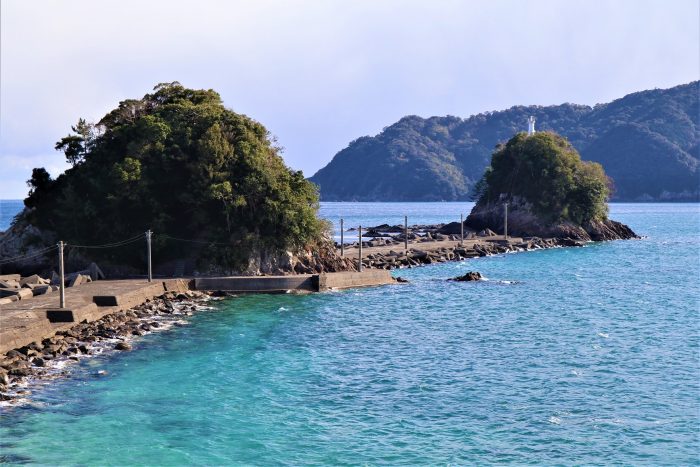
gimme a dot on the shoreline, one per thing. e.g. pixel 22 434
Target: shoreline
pixel 390 257
pixel 36 364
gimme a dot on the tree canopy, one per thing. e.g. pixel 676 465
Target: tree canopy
pixel 546 171
pixel 178 162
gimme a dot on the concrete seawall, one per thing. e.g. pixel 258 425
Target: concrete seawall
pixel 25 321
pixel 300 282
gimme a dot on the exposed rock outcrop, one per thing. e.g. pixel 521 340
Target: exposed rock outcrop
pixel 523 222
pixel 471 276
pixel 25 240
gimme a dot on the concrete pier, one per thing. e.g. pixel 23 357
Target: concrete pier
pixel 297 282
pixel 31 320
pixel 26 321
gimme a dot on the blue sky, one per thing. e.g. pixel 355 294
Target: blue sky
pixel 321 73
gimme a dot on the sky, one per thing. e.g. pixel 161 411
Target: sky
pixel 321 73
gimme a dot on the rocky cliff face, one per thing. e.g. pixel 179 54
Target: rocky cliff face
pixel 522 222
pixel 312 260
pixel 25 240
pixel 29 244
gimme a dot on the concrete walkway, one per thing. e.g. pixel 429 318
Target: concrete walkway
pixel 25 321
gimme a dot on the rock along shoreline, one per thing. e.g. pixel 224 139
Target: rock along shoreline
pixel 30 366
pixel 431 254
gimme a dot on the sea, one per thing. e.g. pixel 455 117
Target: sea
pixel 567 356
pixel 9 208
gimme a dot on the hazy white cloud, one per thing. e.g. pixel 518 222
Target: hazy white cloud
pixel 321 73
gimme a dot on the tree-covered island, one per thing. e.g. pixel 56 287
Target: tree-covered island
pixel 549 191
pixel 212 186
pixel 181 164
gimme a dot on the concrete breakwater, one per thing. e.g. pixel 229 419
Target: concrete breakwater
pixel 48 359
pixel 105 315
pixel 27 321
pixel 108 312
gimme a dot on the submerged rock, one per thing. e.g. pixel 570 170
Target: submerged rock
pixel 468 277
pixel 123 346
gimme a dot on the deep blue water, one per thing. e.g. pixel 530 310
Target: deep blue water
pixel 566 356
pixel 9 208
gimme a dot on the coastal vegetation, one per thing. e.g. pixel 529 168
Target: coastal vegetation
pixel 178 162
pixel 647 142
pixel 541 185
pixel 546 171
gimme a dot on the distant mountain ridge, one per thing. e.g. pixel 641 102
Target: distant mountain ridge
pixel 648 143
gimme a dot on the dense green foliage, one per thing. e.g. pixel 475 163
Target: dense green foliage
pixel 177 162
pixel 546 171
pixel 647 142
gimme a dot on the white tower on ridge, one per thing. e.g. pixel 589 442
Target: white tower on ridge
pixel 531 126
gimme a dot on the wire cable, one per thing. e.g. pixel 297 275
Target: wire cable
pixel 35 254
pixel 110 245
pixel 205 242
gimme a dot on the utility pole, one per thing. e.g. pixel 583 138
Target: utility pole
pixel 148 251
pixel 461 229
pixel 405 233
pixel 61 272
pixel 342 241
pixel 360 245
pixel 505 221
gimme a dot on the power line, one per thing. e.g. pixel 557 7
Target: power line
pixel 35 254
pixel 116 244
pixel 205 242
pixel 111 245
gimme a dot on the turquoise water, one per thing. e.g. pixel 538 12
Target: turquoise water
pixel 565 356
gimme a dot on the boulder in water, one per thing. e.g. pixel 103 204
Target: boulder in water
pixel 468 277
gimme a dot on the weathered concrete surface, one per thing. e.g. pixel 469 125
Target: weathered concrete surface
pixel 25 321
pixel 270 284
pixel 10 277
pixel 345 280
pixel 299 282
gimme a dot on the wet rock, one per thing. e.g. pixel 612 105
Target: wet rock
pixel 14 354
pixel 38 361
pixel 20 372
pixel 570 242
pixel 468 277
pixel 123 346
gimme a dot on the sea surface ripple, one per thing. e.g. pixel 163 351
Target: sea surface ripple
pixel 565 356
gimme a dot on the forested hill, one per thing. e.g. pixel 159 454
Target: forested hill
pixel 647 142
